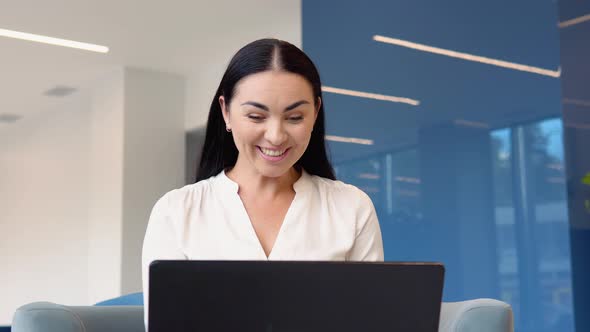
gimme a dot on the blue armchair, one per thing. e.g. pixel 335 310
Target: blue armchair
pixel 125 314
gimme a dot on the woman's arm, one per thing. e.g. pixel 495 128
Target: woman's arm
pixel 161 242
pixel 368 244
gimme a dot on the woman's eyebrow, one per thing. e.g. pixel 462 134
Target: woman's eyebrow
pixel 294 105
pixel 265 108
pixel 255 104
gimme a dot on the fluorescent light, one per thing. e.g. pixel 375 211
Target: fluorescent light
pixel 555 166
pixel 349 140
pixel 53 41
pixel 474 124
pixel 577 102
pixel 574 21
pixel 408 179
pixel 467 56
pixel 370 95
pixel 369 176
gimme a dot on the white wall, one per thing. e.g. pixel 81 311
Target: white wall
pixel 154 150
pixel 78 185
pixel 44 208
pixel 74 201
pixel 281 20
pixel 105 177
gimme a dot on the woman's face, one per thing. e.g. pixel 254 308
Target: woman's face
pixel 271 117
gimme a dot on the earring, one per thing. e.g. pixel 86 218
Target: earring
pixel 228 129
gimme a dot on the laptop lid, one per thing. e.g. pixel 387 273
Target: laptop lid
pixel 278 296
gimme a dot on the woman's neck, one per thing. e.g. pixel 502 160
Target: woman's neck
pixel 250 182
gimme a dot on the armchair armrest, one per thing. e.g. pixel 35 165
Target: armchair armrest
pixel 481 315
pixel 51 317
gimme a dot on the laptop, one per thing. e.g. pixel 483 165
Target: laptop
pixel 279 296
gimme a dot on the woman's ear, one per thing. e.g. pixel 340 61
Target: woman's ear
pixel 317 109
pixel 224 111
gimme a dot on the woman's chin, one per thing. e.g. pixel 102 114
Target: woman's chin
pixel 273 171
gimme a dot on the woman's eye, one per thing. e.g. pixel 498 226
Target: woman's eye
pixel 255 117
pixel 295 118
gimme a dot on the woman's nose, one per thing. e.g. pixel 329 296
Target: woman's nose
pixel 275 133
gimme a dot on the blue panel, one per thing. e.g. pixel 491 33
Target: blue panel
pixel 129 299
pixel 474 175
pixel 575 55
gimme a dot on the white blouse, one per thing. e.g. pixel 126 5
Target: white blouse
pixel 327 221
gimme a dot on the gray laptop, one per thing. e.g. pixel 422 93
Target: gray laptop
pixel 244 296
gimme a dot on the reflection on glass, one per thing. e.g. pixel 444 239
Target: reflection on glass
pixel 405 183
pixel 504 219
pixel 474 175
pixel 536 149
pixel 392 180
pixel 548 198
pixel 530 217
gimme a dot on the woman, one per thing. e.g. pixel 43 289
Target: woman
pixel 265 189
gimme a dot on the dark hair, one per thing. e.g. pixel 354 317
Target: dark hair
pixel 219 150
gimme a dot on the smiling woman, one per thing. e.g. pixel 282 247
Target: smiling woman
pixel 265 188
pixel 267 77
pixel 272 118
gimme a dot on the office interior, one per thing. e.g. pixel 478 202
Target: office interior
pixel 466 122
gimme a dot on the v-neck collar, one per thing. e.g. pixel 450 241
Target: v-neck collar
pixel 229 185
pixel 238 212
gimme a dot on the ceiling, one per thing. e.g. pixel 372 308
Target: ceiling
pixel 183 37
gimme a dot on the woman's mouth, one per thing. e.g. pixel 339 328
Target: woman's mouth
pixel 273 154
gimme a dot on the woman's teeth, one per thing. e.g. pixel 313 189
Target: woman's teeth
pixel 272 153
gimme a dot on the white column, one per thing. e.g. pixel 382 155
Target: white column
pixel 154 153
pixel 137 155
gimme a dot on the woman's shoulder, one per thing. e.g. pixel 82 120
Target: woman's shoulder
pixel 337 189
pixel 188 194
pixel 349 200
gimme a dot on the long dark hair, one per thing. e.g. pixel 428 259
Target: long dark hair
pixel 219 150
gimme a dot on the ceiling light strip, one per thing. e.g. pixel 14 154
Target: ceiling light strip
pixel 408 179
pixel 53 41
pixel 474 124
pixel 369 95
pixel 574 21
pixel 577 102
pixel 577 125
pixel 467 56
pixel 354 140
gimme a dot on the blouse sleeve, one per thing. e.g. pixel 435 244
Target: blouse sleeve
pixel 368 244
pixel 161 241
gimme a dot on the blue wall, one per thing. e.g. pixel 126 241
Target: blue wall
pixel 575 62
pixel 474 176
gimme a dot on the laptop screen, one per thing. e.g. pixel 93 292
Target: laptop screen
pixel 276 296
